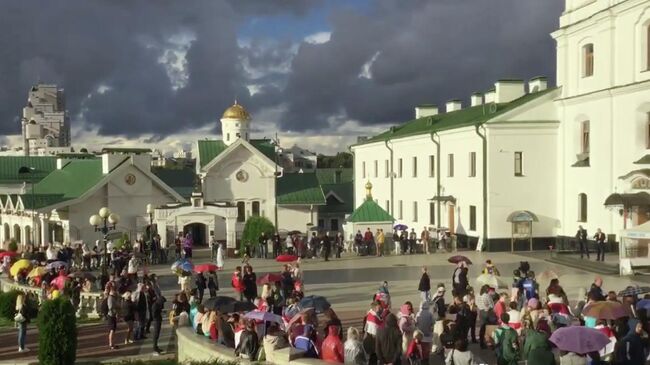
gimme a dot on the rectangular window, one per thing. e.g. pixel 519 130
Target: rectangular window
pixel 241 212
pixel 376 168
pixel 450 165
pixel 415 211
pixel 334 224
pixel 363 169
pixel 387 168
pixel 432 166
pixel 388 206
pixel 399 210
pixel 584 140
pixel 647 130
pixel 399 167
pixel 519 164
pixel 588 56
pixel 415 166
pixel 432 213
pixel 256 209
pixel 472 218
pixel 472 164
pixel 321 223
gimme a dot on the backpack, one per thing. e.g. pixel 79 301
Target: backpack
pixel 103 307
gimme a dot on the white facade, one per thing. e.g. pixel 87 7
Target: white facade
pixel 577 144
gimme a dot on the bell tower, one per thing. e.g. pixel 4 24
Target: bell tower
pixel 235 124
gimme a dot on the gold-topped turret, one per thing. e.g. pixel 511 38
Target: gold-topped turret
pixel 369 190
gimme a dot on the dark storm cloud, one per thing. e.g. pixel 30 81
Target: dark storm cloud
pixel 83 45
pixel 428 51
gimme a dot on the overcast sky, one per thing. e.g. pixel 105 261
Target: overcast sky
pixel 162 72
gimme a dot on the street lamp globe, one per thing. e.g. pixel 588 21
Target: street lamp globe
pixel 104 212
pixel 113 218
pixel 149 208
pixel 95 220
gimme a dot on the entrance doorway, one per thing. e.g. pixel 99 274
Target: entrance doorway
pixel 198 231
pixel 452 221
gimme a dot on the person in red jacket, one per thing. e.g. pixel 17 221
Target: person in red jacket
pixel 237 282
pixel 332 347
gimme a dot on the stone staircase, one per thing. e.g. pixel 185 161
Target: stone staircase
pixel 597 267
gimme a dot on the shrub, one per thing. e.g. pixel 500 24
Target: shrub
pixel 57 340
pixel 8 304
pixel 13 245
pixel 253 229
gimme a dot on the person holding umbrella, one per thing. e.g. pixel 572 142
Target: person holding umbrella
pixel 201 284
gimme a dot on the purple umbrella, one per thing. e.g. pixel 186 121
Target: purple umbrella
pixel 643 304
pixel 578 339
pixel 264 316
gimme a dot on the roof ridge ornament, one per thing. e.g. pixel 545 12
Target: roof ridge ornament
pixel 368 190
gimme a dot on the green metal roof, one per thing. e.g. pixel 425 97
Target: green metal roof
pixel 9 166
pixel 181 180
pixel 299 189
pixel 127 150
pixel 209 149
pixel 369 212
pixel 345 191
pixel 73 180
pixel 471 116
pixel 643 160
pixel 328 175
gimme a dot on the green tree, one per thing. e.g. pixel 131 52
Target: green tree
pixel 252 231
pixel 8 304
pixel 57 340
pixel 13 245
pixel 340 160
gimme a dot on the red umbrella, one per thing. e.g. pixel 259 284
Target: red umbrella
pixel 286 258
pixel 459 258
pixel 269 278
pixel 205 267
pixel 59 282
pixel 8 253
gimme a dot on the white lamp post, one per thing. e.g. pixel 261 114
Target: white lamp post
pixel 104 222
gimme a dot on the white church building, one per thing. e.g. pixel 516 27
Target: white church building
pixel 524 164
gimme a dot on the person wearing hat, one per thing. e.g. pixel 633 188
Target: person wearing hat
pixel 438 302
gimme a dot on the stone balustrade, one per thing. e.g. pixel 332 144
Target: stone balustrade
pixel 88 305
pixel 193 347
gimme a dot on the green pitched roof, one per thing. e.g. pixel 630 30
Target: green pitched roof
pixel 328 176
pixel 299 189
pixel 370 211
pixel 9 166
pixel 471 116
pixel 181 180
pixel 209 149
pixel 73 180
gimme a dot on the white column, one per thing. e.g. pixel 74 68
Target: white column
pixel 45 227
pixel 66 232
pixel 231 232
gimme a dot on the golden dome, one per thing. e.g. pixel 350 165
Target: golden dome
pixel 236 111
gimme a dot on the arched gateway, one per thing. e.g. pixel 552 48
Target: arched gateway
pixel 215 217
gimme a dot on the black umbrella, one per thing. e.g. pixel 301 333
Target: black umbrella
pixel 217 303
pixel 237 307
pixel 633 291
pixel 320 304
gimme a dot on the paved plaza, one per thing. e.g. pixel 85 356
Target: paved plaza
pixel 349 283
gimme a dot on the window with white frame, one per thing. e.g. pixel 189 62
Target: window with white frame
pixel 432 213
pixel 450 165
pixel 588 60
pixel 584 136
pixel 472 164
pixel 415 166
pixel 582 207
pixel 363 169
pixel 415 211
pixel 519 163
pixel 399 167
pixel 432 166
pixel 387 168
pixel 376 168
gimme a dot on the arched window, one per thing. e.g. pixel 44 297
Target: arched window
pixel 241 212
pixel 582 207
pixel 588 60
pixel 255 209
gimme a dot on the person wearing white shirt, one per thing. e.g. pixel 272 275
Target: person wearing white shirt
pixel 51 253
